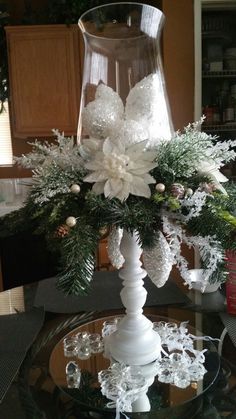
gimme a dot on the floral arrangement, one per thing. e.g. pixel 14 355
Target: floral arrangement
pixel 124 175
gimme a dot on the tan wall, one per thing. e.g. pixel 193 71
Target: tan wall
pixel 178 53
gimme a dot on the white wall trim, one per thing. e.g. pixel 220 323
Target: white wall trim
pixel 198 6
pixel 197 59
pixel 218 4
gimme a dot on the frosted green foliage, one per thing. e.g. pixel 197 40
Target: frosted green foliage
pixel 63 152
pixel 179 158
pixel 50 181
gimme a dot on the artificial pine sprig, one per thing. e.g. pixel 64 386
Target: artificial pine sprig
pixel 78 254
pixel 178 159
pixel 51 181
pixel 217 218
pixel 134 214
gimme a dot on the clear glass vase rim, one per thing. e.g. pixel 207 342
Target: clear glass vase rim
pixel 118 3
pixel 114 4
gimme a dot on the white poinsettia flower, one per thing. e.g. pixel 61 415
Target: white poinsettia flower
pixel 117 171
pixel 210 168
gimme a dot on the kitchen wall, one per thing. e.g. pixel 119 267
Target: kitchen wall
pixel 178 59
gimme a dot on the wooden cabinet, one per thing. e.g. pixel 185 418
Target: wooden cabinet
pixel 45 79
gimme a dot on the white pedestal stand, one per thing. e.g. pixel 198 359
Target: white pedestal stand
pixel 134 342
pixel 142 404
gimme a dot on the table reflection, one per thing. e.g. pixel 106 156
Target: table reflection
pixel 157 397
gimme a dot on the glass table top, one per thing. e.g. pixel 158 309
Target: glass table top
pixel 163 397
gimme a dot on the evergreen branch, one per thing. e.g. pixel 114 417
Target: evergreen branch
pixel 18 221
pixel 52 180
pixel 134 214
pixel 216 220
pixel 78 259
pixel 208 216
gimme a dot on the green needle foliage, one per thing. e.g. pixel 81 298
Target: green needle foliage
pixel 217 218
pixel 208 219
pixel 78 251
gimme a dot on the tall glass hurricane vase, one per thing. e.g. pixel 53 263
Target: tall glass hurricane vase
pixel 122 47
pixel 122 53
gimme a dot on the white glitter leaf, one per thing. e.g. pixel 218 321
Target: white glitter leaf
pixel 158 261
pixel 113 249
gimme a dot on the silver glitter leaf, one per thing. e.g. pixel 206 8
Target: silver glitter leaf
pixel 113 249
pixel 158 261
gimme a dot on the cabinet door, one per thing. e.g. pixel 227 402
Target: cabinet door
pixel 45 79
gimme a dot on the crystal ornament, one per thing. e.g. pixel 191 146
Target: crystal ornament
pixel 129 132
pixel 165 376
pixel 182 363
pixel 126 386
pixel 84 352
pixel 101 116
pixel 71 368
pixel 143 104
pixel 95 343
pixel 73 375
pixel 181 379
pixel 122 384
pixel 158 261
pixel 110 326
pixel 82 337
pixel 83 345
pixel 70 346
